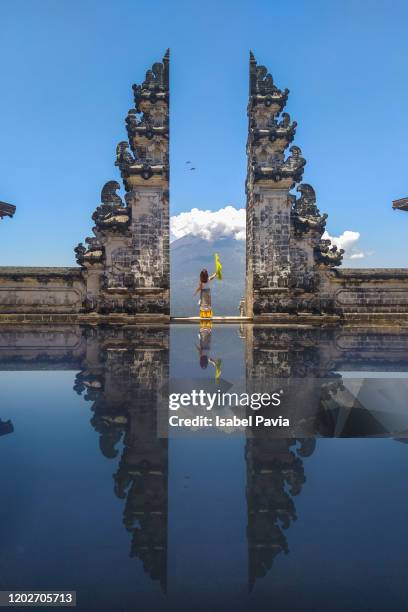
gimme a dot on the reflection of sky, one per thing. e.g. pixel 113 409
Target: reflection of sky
pixel 348 549
pixel 60 523
pixel 207 518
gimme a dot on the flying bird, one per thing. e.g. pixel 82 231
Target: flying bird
pixel 192 168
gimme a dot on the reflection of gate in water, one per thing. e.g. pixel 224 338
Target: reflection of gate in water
pixel 121 372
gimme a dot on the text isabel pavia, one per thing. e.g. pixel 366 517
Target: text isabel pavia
pixel 201 399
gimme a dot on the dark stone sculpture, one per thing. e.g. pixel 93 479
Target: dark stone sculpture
pixel 156 84
pixel 123 158
pixel 305 214
pixel 328 254
pixel 6 210
pixel 95 252
pixel 263 88
pixel 112 213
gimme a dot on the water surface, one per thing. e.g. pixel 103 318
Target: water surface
pixel 93 501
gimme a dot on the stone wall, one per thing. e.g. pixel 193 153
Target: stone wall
pixel 366 291
pixel 41 290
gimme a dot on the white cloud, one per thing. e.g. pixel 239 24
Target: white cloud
pixel 230 221
pixel 210 225
pixel 348 241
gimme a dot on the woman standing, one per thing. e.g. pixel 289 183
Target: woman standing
pixel 205 294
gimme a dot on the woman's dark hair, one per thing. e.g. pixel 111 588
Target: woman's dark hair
pixel 204 361
pixel 204 276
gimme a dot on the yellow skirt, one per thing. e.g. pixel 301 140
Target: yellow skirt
pixel 206 314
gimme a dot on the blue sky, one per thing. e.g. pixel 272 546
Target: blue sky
pixel 67 68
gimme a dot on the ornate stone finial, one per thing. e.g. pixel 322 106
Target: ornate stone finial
pixel 156 83
pixel 327 254
pixel 95 253
pixel 166 64
pixel 252 73
pixel 305 214
pixel 278 170
pixel 124 159
pixel 112 214
pixel 277 131
pixel 109 195
pixel 79 251
pixel 158 77
pixel 262 86
pixel 148 129
pixel 285 121
pixel 270 133
pixel 307 198
pixel 6 210
pixel 133 122
pixel 295 163
pixel 401 204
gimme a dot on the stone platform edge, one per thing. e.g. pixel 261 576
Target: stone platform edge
pixel 377 319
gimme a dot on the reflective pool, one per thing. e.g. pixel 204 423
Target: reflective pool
pixel 94 501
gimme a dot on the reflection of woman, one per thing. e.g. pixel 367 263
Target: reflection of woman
pixel 204 349
pixel 205 294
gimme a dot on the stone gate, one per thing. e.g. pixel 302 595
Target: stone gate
pixel 292 272
pixel 290 268
pixel 126 262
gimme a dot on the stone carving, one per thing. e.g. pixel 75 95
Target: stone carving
pixel 328 254
pixel 112 213
pixel 95 252
pixel 307 219
pixel 286 255
pixel 148 129
pixel 263 88
pixel 305 214
pixel 277 168
pixel 274 129
pixel 156 84
pixel 109 195
pixel 123 158
pixel 147 124
pixel 6 210
pixel 401 204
